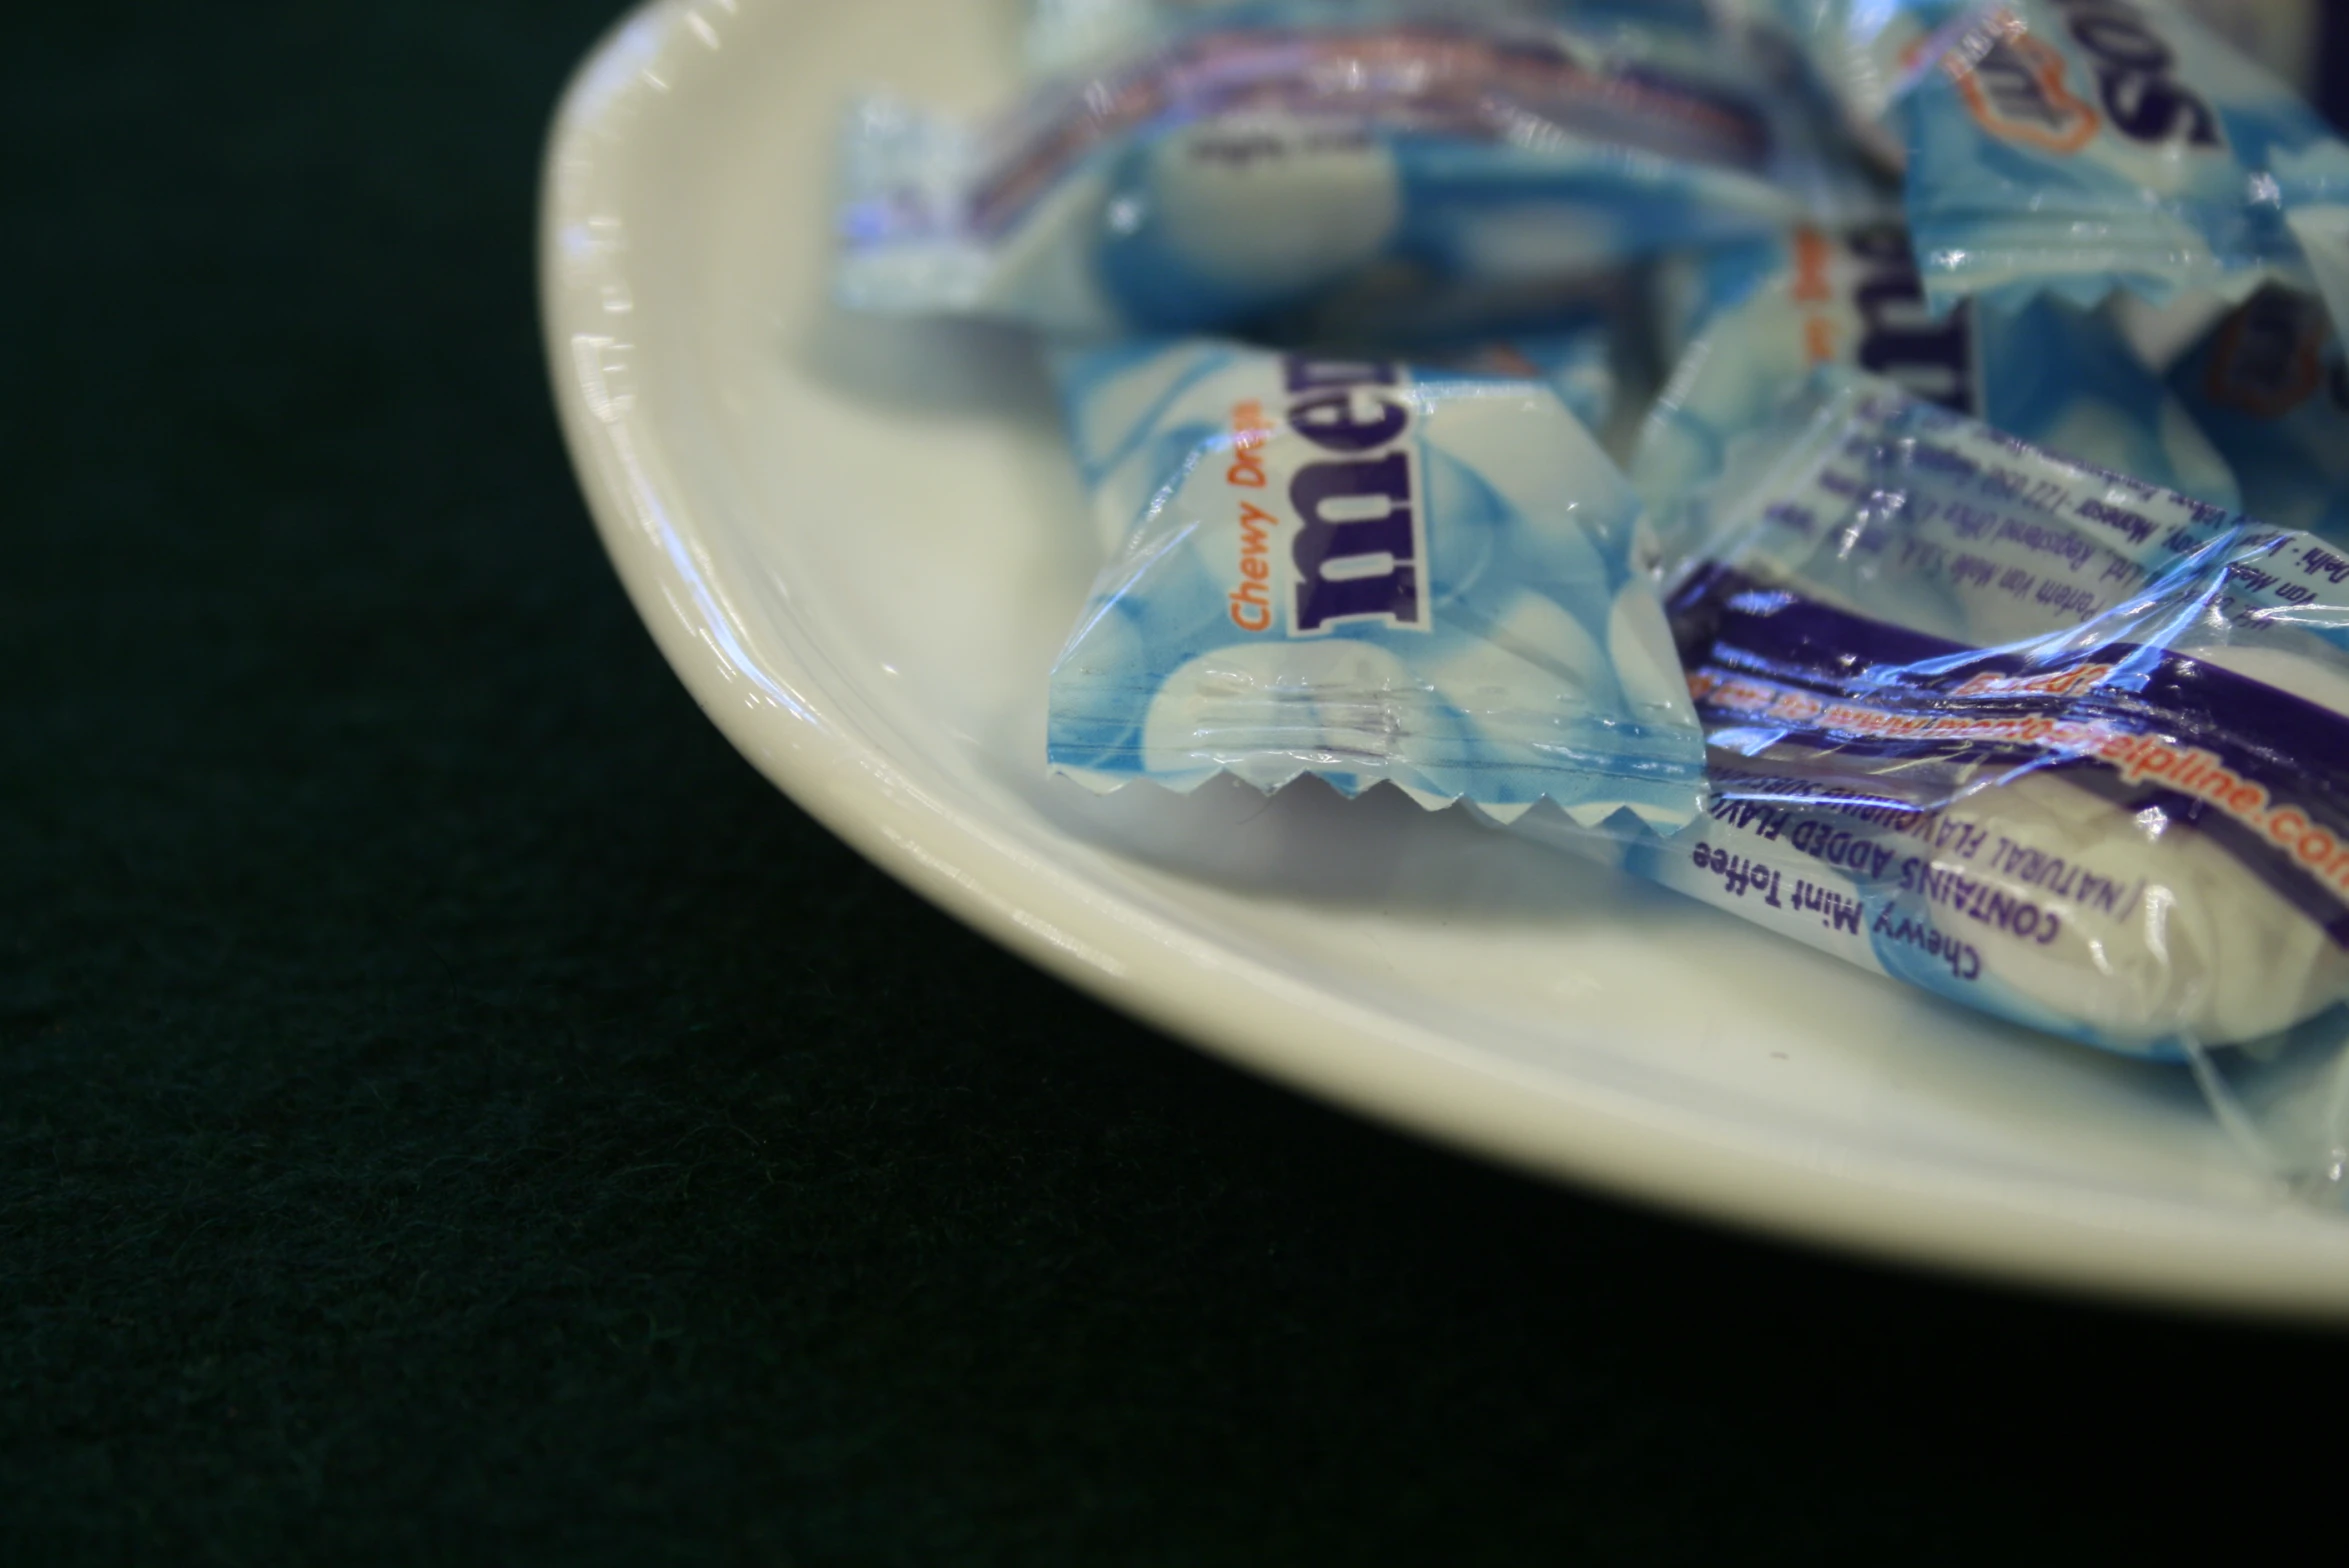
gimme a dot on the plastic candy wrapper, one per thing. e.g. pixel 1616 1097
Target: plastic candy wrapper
pixel 2076 147
pixel 2049 741
pixel 1066 34
pixel 1368 572
pixel 1860 52
pixel 1577 364
pixel 1236 173
pixel 1863 52
pixel 2272 389
pixel 2315 198
pixel 2285 36
pixel 1763 315
pixel 1584 341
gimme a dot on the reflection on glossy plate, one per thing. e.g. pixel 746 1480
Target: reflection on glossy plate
pixel 859 545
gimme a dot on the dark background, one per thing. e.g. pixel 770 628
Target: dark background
pixel 451 1107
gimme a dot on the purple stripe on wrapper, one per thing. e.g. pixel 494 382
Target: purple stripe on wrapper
pixel 2151 731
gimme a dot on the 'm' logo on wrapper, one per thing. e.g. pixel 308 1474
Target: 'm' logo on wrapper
pixel 1360 549
pixel 2014 84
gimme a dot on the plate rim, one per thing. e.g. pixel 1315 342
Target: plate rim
pixel 1391 1071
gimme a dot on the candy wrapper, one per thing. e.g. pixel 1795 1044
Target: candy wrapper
pixel 2315 197
pixel 2272 389
pixel 1065 35
pixel 1864 52
pixel 1367 572
pixel 2047 740
pixel 1578 364
pixel 1763 315
pixel 1860 53
pixel 1238 172
pixel 2287 37
pixel 2078 147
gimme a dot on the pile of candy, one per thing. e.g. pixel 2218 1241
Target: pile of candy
pixel 1880 468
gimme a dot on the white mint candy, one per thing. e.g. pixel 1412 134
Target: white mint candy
pixel 2162 931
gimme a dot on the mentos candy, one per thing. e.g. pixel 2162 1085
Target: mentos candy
pixel 1367 572
pixel 1234 175
pixel 2041 738
pixel 2049 372
pixel 2272 389
pixel 2076 147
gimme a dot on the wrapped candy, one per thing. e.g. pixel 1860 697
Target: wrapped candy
pixel 1365 571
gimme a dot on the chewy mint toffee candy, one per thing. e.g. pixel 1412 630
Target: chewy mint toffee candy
pixel 1368 572
pixel 2040 737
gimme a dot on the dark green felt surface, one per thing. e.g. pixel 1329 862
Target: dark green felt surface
pixel 452 1109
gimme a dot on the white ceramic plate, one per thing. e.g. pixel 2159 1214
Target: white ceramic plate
pixel 859 545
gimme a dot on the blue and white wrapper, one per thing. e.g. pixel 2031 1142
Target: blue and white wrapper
pixel 1369 573
pixel 1864 52
pixel 1763 316
pixel 1860 53
pixel 2314 190
pixel 1580 350
pixel 2046 740
pixel 2079 147
pixel 2271 386
pixel 1238 173
pixel 1577 363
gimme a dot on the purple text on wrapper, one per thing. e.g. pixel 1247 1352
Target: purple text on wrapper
pixel 1900 339
pixel 2133 65
pixel 1360 545
pixel 2016 82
